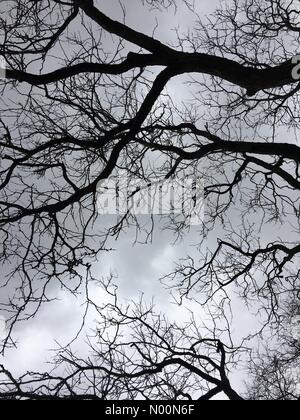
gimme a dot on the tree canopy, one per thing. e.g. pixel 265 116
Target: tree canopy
pixel 85 96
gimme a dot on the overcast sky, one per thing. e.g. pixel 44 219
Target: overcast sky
pixel 138 268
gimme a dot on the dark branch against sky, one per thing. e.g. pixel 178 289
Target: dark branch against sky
pixel 96 89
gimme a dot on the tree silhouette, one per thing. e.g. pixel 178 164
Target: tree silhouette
pixel 79 106
pixel 275 368
pixel 138 355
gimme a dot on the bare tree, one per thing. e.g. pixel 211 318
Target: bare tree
pixel 138 354
pixel 275 368
pixel 79 106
